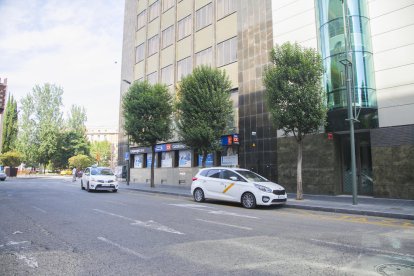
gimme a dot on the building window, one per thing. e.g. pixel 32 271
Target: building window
pixel 153 45
pixel 152 78
pixel 142 19
pixel 227 51
pixel 225 7
pixel 167 75
pixel 184 67
pixel 184 27
pixel 168 36
pixel 204 16
pixel 154 11
pixel 167 4
pixel 204 57
pixel 139 53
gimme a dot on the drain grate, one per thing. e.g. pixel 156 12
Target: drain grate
pixel 395 269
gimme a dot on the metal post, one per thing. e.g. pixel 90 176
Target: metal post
pixel 348 72
pixel 128 162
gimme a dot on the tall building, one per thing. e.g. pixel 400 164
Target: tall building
pixel 165 40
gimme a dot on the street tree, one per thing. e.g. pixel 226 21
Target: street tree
pixel 101 152
pixel 9 135
pixel 77 119
pixel 147 110
pixel 40 124
pixel 204 109
pixel 294 95
pixel 80 161
pixel 70 143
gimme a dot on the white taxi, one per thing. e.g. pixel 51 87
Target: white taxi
pixel 236 185
pixel 99 179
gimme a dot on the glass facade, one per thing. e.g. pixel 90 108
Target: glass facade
pixel 332 43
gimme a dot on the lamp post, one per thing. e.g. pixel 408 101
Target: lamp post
pixel 127 154
pixel 347 62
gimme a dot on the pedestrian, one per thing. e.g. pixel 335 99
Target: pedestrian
pixel 74 174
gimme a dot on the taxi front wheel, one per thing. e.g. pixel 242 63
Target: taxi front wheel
pixel 248 200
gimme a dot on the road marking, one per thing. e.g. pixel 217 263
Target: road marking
pixel 116 202
pixel 30 261
pixel 37 208
pixel 225 224
pixel 228 188
pixel 373 250
pixel 15 243
pixel 17 232
pixel 148 224
pixel 127 250
pixel 214 212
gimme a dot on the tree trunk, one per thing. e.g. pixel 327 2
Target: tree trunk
pixel 299 191
pixel 203 160
pixel 152 166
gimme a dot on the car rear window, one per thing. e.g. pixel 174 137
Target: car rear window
pixel 213 173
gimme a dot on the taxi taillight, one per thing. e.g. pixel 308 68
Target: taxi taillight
pixel 195 178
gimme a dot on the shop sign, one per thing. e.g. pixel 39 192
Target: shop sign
pixel 232 160
pixel 229 140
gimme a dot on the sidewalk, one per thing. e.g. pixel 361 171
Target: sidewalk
pixel 368 206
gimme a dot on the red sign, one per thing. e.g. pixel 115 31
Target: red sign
pixel 168 147
pixel 330 135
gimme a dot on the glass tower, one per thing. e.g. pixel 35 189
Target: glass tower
pixel 332 43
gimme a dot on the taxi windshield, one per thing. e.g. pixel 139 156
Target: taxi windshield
pixel 101 171
pixel 251 176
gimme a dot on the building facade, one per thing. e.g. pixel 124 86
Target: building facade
pixel 165 40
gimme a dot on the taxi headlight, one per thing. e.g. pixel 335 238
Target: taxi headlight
pixel 263 188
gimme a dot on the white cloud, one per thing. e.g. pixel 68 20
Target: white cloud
pixel 73 44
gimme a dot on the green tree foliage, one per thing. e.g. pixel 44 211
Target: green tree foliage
pixel 101 152
pixel 9 136
pixel 77 119
pixel 147 110
pixel 80 161
pixel 70 143
pixel 203 109
pixel 294 94
pixel 40 124
pixel 11 159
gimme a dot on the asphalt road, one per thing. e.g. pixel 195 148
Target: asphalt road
pixel 52 227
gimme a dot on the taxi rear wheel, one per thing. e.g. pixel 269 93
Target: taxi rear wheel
pixel 248 200
pixel 199 195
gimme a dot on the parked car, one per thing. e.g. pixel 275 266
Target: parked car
pixel 3 176
pixel 99 178
pixel 66 172
pixel 236 185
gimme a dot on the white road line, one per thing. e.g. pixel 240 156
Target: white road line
pixel 17 232
pixel 15 243
pixel 219 212
pixel 225 224
pixel 37 208
pixel 30 261
pixel 148 224
pixel 127 250
pixel 374 250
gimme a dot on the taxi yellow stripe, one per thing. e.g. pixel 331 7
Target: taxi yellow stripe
pixel 228 188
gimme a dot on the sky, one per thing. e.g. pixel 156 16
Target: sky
pixel 74 44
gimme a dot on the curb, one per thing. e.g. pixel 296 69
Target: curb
pixel 353 212
pixel 303 207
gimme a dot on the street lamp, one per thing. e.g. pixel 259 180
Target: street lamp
pixel 127 152
pixel 347 63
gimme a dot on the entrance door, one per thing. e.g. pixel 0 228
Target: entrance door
pixel 363 164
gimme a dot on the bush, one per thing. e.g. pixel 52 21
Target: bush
pixel 11 158
pixel 80 161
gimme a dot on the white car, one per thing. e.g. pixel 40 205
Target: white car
pixel 99 179
pixel 3 176
pixel 236 185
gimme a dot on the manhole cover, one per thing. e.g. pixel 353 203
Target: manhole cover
pixel 395 269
